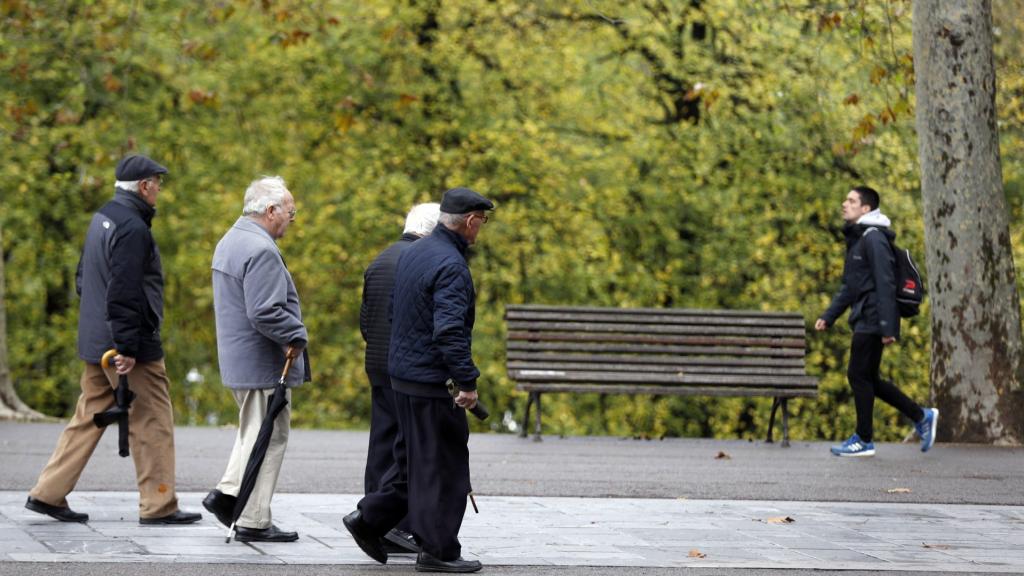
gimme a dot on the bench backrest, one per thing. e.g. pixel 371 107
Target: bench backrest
pixel 657 351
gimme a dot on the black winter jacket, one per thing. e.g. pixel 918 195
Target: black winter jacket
pixel 433 315
pixel 121 283
pixel 869 282
pixel 375 311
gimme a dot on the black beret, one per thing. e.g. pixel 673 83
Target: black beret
pixel 137 167
pixel 464 200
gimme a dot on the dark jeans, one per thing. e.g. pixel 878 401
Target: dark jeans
pixel 429 484
pixel 862 373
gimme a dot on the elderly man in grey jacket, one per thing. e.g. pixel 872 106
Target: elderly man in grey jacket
pixel 258 323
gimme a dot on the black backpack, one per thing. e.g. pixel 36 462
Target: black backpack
pixel 909 286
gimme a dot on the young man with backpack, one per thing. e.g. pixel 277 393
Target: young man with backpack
pixel 869 289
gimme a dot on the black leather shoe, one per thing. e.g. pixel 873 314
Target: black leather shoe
pixel 272 534
pixel 400 542
pixel 221 505
pixel 62 513
pixel 427 563
pixel 364 537
pixel 178 517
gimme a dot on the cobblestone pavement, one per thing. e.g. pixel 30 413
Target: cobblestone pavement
pixel 559 531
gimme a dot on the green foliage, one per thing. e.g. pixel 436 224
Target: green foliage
pixel 682 154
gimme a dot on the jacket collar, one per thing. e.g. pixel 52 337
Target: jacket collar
pixel 409 237
pixel 250 225
pixel 451 236
pixel 133 200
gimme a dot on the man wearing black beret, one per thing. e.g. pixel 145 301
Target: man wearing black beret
pixel 121 285
pixel 431 344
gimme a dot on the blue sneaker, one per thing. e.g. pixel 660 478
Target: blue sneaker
pixel 926 428
pixel 854 446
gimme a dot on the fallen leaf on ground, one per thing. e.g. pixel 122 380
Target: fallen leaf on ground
pixel 780 520
pixel 898 490
pixel 723 456
pixel 697 554
pixel 937 546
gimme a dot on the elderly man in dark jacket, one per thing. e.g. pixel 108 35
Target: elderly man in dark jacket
pixel 375 325
pixel 431 343
pixel 258 322
pixel 121 285
pixel 869 290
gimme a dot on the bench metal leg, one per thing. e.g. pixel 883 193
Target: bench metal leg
pixel 536 431
pixel 771 420
pixel 526 416
pixel 785 422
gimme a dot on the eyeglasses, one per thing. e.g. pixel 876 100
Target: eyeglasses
pixel 484 218
pixel 291 213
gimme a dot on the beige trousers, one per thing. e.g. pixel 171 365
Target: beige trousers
pixel 252 407
pixel 150 438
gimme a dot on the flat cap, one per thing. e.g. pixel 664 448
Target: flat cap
pixel 137 167
pixel 464 200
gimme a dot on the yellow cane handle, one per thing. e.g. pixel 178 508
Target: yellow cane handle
pixel 105 361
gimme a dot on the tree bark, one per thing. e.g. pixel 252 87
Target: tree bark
pixel 11 407
pixel 976 335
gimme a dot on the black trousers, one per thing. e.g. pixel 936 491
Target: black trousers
pixel 866 382
pixel 429 483
pixel 383 432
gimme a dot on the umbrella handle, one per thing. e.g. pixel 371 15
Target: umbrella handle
pixel 105 360
pixel 289 356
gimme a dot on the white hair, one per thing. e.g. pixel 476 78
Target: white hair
pixel 263 193
pixel 422 218
pixel 132 186
pixel 453 220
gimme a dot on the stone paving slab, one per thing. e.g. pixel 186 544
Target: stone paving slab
pixel 559 531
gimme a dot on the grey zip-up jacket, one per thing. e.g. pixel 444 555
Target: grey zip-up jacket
pixel 257 310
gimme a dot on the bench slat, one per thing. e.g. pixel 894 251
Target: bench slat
pixel 669 390
pixel 685 378
pixel 526 309
pixel 658 339
pixel 544 357
pixel 654 369
pixel 657 349
pixel 657 328
pixel 745 321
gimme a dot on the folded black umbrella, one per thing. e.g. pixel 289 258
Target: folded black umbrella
pixel 278 400
pixel 123 397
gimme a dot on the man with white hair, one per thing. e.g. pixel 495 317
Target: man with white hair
pixel 259 323
pixel 121 285
pixel 375 325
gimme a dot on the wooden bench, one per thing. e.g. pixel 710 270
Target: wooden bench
pixel 657 351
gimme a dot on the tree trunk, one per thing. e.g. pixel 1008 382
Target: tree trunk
pixel 11 407
pixel 976 335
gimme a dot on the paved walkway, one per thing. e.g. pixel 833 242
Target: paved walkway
pixel 560 531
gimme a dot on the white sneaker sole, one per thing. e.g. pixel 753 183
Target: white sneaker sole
pixel 855 454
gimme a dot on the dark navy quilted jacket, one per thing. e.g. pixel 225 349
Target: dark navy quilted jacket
pixel 433 313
